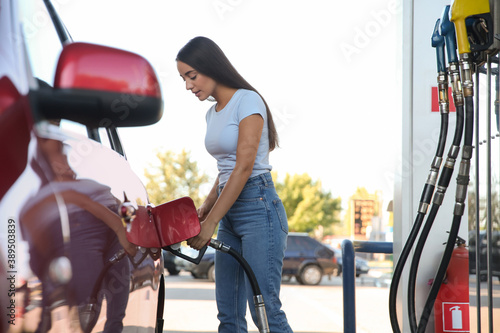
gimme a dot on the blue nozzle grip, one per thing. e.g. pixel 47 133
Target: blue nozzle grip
pixel 437 42
pixel 447 30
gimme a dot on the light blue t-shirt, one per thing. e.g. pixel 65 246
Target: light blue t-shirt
pixel 222 133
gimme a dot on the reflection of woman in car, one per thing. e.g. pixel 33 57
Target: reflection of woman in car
pixel 240 135
pixel 95 234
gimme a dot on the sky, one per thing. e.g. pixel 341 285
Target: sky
pixel 329 71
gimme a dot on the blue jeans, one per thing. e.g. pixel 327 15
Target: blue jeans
pixel 256 227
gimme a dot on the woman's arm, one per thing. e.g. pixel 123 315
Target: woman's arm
pixel 81 200
pixel 103 213
pixel 250 130
pixel 209 202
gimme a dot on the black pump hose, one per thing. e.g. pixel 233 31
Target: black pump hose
pixel 469 121
pixel 398 270
pixel 441 272
pixel 443 183
pixel 442 135
pixel 439 154
pixel 218 245
pixel 462 183
pixel 414 268
pixel 247 269
pixel 425 199
pixel 260 308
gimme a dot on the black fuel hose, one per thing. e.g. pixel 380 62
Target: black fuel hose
pixel 439 277
pixel 398 270
pixel 425 200
pixel 247 269
pixel 469 120
pixel 260 308
pixel 443 183
pixel 414 268
pixel 461 192
pixel 218 245
pixel 441 37
pixel 442 135
pixel 460 126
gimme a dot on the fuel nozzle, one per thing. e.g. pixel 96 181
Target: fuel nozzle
pixel 218 245
pixel 447 30
pixel 476 15
pixel 438 42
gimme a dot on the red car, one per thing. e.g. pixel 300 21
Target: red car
pixel 80 245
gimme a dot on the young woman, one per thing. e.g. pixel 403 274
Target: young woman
pixel 243 201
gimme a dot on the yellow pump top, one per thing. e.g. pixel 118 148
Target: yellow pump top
pixel 459 11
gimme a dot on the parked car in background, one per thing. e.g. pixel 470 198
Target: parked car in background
pixel 174 264
pixel 169 263
pixel 308 260
pixel 206 268
pixel 383 281
pixel 361 264
pixel 483 258
pixel 185 265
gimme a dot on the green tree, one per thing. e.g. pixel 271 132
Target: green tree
pixel 307 205
pixel 173 176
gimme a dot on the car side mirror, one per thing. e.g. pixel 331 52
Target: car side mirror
pixel 100 86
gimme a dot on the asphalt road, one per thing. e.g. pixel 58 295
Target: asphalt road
pixel 190 306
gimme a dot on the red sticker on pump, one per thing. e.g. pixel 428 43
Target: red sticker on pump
pixel 435 100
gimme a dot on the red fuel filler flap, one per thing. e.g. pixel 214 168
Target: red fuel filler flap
pixel 165 226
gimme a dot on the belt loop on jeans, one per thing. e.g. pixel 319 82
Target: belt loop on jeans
pixel 264 179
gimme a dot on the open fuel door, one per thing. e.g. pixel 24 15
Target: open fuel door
pixel 166 226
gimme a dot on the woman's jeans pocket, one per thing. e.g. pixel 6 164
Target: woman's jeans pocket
pixel 281 213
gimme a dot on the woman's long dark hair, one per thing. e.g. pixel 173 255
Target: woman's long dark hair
pixel 207 58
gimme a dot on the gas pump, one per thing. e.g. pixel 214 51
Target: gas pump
pixel 472 22
pixel 447 32
pixel 438 41
pixel 443 35
pixel 460 11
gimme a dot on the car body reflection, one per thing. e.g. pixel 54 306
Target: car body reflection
pixel 75 238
